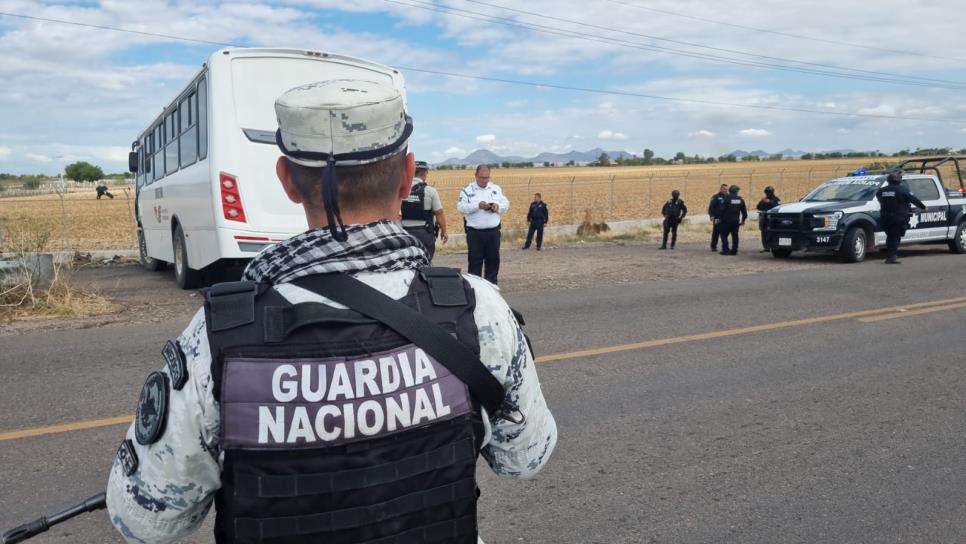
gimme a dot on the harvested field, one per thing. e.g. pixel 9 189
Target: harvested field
pixel 610 194
pixel 78 221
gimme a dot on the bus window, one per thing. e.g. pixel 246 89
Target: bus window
pixel 171 143
pixel 203 118
pixel 188 141
pixel 158 148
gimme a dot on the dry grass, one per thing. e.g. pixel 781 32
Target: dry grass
pixel 611 194
pixel 21 303
pixel 28 299
pixel 78 221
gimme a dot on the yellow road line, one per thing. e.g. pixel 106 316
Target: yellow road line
pixel 65 427
pixel 910 313
pixel 739 331
pixel 863 315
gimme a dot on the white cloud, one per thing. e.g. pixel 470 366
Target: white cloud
pixel 454 151
pixel 754 132
pixel 4 152
pixel 881 109
pixel 37 157
pixel 611 135
pixel 486 139
pixel 703 134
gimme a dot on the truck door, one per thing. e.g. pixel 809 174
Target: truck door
pixel 932 224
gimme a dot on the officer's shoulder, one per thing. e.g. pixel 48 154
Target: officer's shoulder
pixel 487 295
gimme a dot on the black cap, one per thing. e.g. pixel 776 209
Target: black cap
pixel 422 165
pixel 734 189
pixel 894 178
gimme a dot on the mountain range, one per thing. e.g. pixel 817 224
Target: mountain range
pixel 485 156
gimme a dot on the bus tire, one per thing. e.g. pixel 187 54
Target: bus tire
pixel 958 243
pixel 149 263
pixel 781 253
pixel 855 246
pixel 186 277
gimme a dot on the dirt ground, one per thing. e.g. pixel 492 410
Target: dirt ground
pixel 144 296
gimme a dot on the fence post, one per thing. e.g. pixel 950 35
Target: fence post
pixel 573 202
pixel 529 192
pixel 611 216
pixel 781 181
pixel 751 182
pixel 684 193
pixel 650 201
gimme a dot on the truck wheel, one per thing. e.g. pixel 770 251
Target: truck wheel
pixel 855 245
pixel 183 274
pixel 781 253
pixel 958 243
pixel 149 263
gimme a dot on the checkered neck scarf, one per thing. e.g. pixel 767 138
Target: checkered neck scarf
pixel 382 246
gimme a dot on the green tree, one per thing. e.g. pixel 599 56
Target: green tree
pixel 83 171
pixel 603 160
pixel 648 156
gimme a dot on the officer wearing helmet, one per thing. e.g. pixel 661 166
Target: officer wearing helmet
pixel 732 216
pixel 894 200
pixel 422 211
pixel 767 202
pixel 674 212
pixel 343 391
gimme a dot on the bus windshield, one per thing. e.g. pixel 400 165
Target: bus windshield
pixel 857 190
pixel 258 81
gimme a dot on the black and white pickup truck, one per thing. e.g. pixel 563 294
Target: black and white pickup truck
pixel 842 215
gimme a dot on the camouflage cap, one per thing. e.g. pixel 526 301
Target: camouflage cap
pixel 349 122
pixel 422 165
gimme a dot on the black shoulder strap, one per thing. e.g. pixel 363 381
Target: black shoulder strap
pixel 416 328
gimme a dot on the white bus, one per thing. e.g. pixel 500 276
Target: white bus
pixel 207 193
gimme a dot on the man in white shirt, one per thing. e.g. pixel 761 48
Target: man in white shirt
pixel 482 202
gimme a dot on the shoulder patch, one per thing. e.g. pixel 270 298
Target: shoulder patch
pixel 175 361
pixel 127 457
pixel 152 409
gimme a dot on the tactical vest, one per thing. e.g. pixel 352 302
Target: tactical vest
pixel 337 429
pixel 673 208
pixel 414 207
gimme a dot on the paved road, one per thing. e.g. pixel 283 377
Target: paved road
pixel 828 424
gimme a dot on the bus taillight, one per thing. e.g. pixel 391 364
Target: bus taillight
pixel 230 198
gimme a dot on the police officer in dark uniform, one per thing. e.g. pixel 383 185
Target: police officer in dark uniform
pixel 714 207
pixel 732 216
pixel 674 212
pixel 769 201
pixel 537 217
pixel 894 200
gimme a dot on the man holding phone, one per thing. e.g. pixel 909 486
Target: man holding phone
pixel 482 202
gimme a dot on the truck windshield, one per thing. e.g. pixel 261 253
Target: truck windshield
pixel 855 190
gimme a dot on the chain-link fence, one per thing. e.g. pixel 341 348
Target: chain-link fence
pixel 614 194
pixel 75 219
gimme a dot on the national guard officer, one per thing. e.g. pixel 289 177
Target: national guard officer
pixel 732 216
pixel 422 212
pixel 894 200
pixel 343 392
pixel 537 217
pixel 482 203
pixel 674 212
pixel 767 202
pixel 714 208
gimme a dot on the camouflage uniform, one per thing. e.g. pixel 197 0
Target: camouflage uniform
pixel 172 488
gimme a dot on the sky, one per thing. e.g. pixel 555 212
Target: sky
pixel 72 93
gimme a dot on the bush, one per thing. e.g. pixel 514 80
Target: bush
pixel 31 183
